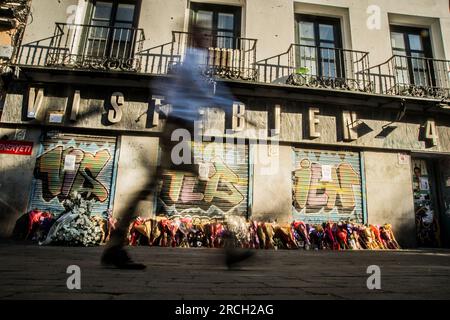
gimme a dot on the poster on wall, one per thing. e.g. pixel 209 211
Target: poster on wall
pixel 424 184
pixel 327 186
pixel 326 173
pixel 69 162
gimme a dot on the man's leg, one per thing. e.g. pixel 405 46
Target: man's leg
pixel 114 253
pixel 233 255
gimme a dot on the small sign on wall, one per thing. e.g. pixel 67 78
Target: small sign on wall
pixel 326 173
pixel 403 159
pixel 20 134
pixel 56 118
pixel 447 183
pixel 69 162
pixel 22 148
pixel 424 184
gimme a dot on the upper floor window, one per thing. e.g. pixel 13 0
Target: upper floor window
pixel 220 24
pixel 412 48
pixel 112 27
pixel 319 41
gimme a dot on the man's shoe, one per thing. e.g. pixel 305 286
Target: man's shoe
pixel 118 258
pixel 234 257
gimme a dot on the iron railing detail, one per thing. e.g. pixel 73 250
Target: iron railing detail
pixel 412 76
pixel 221 56
pixel 117 48
pixel 318 67
pixel 86 47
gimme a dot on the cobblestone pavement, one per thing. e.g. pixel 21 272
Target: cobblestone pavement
pixel 33 272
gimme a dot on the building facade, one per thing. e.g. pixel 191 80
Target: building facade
pixel 341 112
pixel 13 19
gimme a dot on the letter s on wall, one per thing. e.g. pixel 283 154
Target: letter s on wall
pixel 115 114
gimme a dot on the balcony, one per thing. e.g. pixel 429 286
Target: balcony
pixel 121 49
pixel 224 56
pixel 86 47
pixel 412 76
pixel 317 67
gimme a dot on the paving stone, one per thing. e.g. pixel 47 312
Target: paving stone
pixel 33 272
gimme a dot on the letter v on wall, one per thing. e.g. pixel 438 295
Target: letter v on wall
pixel 35 101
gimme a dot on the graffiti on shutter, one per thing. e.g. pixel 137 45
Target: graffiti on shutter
pixel 326 186
pixel 225 191
pixel 70 163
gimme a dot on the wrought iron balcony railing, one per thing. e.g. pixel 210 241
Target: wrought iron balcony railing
pixel 86 47
pixel 318 67
pixel 157 60
pixel 223 56
pixel 119 48
pixel 412 76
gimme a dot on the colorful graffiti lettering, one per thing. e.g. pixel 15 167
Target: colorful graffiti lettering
pixel 185 191
pixel 57 182
pixel 311 192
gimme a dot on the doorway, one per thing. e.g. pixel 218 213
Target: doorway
pixel 427 204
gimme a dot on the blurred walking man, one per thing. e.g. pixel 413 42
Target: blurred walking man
pixel 188 92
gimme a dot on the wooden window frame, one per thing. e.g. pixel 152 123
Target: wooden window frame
pixel 316 20
pixel 216 9
pixel 427 46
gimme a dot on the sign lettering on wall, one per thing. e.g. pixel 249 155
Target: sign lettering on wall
pixel 35 100
pixel 431 132
pixel 22 148
pixel 349 120
pixel 158 103
pixel 238 123
pixel 276 120
pixel 75 105
pixel 314 123
pixel 117 101
pixel 351 126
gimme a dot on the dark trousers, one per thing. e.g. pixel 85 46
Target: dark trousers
pixel 125 218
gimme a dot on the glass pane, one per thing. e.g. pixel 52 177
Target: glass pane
pixel 125 12
pixel 421 78
pixel 327 44
pixel 415 42
pixel 397 40
pixel 307 60
pixel 329 70
pixel 304 42
pixel 100 30
pixel 418 54
pixel 225 39
pixel 96 48
pixel 123 31
pixel 328 54
pixel 103 10
pixel 398 52
pixel 306 30
pixel 100 23
pixel 326 32
pixel 402 70
pixel 226 21
pixel 204 19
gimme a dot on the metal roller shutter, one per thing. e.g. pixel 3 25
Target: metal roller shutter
pixel 91 174
pixel 327 186
pixel 225 192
